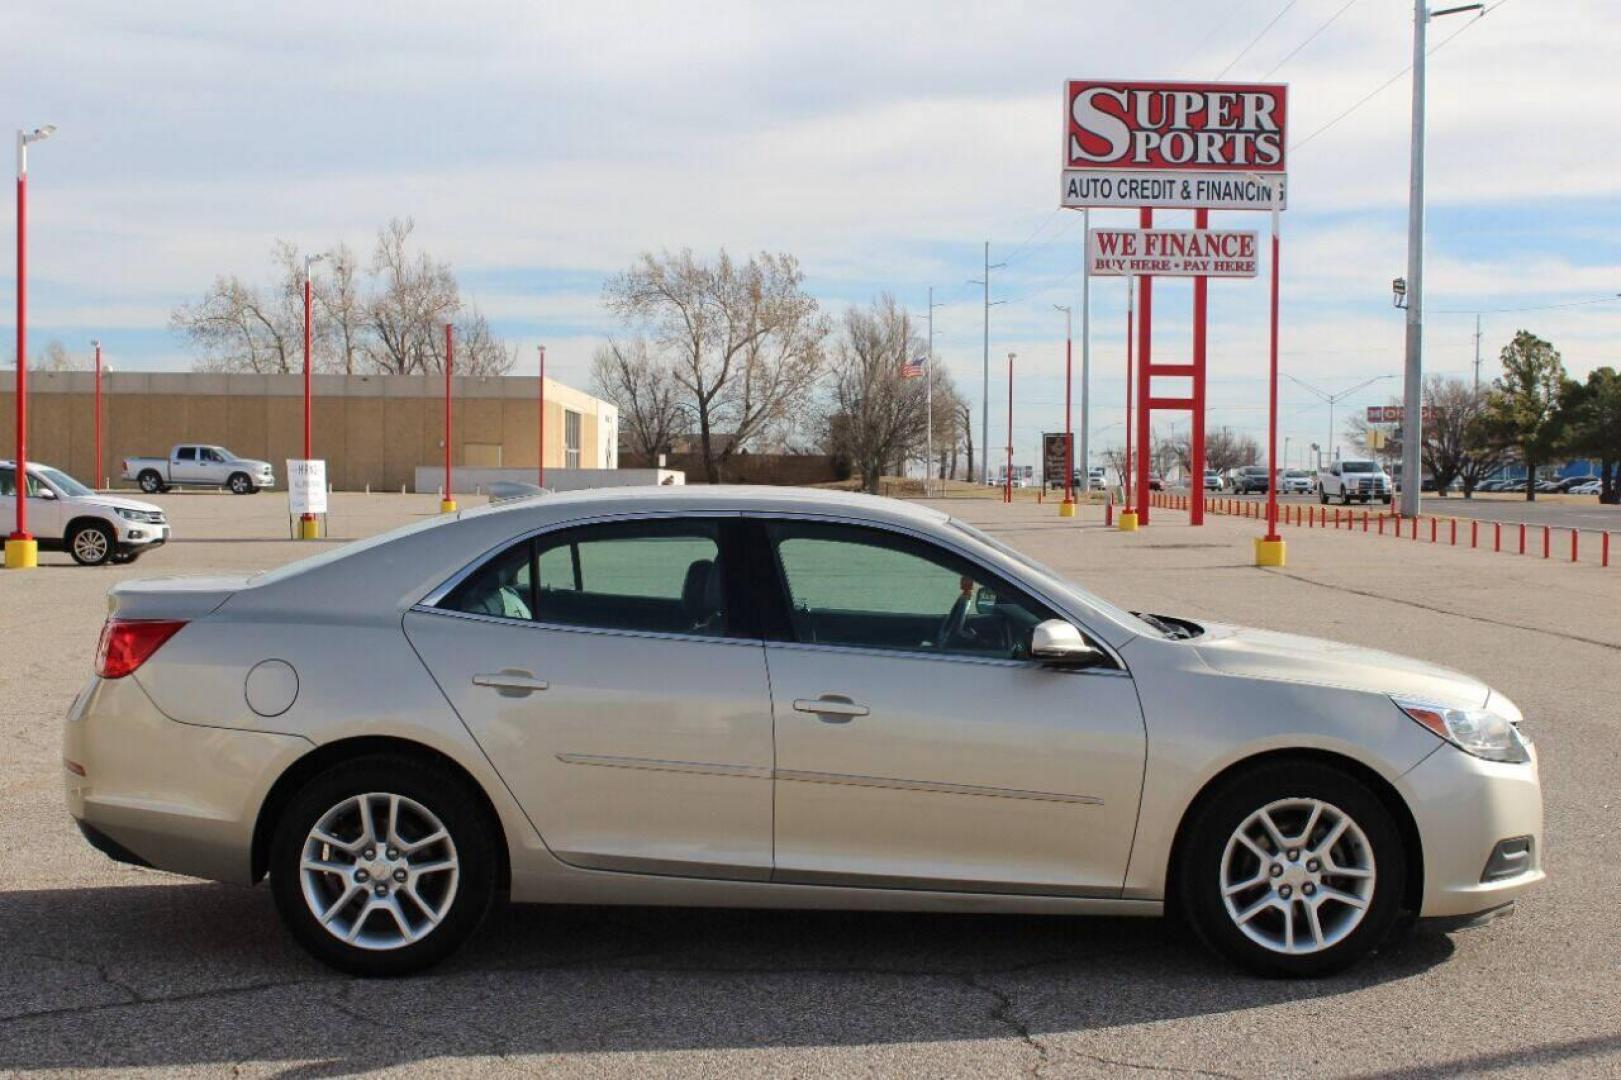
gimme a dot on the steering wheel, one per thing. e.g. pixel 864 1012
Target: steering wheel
pixel 951 627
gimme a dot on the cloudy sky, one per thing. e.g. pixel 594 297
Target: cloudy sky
pixel 541 146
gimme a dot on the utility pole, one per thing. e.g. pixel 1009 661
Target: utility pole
pixel 1067 507
pixel 1477 352
pixel 928 373
pixel 985 371
pixel 1412 397
pixel 1332 400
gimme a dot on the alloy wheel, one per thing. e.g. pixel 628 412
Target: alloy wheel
pixel 379 871
pixel 1298 876
pixel 90 545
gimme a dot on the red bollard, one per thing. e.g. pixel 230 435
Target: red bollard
pixel 1454 532
pixel 1574 533
pixel 1415 527
pixel 1522 538
pixel 1435 525
pixel 1604 550
pixel 1381 524
pixel 1497 536
pixel 1364 521
pixel 1474 534
pixel 1547 540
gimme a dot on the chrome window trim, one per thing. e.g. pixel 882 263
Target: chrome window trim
pixel 878 651
pixel 429 603
pixel 570 628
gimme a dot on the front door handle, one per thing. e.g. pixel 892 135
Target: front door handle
pixel 510 683
pixel 833 708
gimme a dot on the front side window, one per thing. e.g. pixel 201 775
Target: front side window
pixel 8 483
pixel 848 585
pixel 213 457
pixel 656 576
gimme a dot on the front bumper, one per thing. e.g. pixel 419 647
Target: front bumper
pixel 140 535
pixel 177 797
pixel 1464 806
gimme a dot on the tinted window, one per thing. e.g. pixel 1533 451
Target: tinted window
pixel 187 453
pixel 8 482
pixel 654 576
pixel 1358 466
pixel 864 587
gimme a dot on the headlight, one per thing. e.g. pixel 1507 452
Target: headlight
pixel 130 515
pixel 1480 732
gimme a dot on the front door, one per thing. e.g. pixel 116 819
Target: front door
pixel 609 674
pixel 917 743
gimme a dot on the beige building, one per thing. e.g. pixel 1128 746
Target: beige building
pixel 371 429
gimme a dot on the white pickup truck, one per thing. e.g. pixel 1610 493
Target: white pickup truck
pixel 199 465
pixel 1354 478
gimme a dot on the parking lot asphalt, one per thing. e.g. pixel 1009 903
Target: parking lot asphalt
pixel 112 967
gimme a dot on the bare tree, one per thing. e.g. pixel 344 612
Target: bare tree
pixel 744 341
pixel 55 357
pixel 342 325
pixel 1454 445
pixel 414 296
pixel 1225 450
pixel 646 393
pixel 235 329
pixel 877 413
pixel 964 413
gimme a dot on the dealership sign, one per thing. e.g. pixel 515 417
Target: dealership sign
pixel 1395 414
pixel 1171 253
pixel 1174 145
pixel 306 487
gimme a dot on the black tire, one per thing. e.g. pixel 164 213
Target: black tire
pixel 92 543
pixel 472 839
pixel 1322 495
pixel 150 481
pixel 1199 871
pixel 240 484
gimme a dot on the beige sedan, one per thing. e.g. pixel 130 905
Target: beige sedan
pixel 778 698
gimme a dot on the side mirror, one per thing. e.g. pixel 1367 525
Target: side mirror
pixel 45 493
pixel 1058 644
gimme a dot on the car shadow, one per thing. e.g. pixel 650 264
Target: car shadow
pixel 166 974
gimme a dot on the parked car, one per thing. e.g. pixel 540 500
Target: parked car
pixel 1592 487
pixel 396 729
pixel 64 515
pixel 1212 480
pixel 1247 480
pixel 1568 483
pixel 1295 482
pixel 1156 483
pixel 198 465
pixel 1354 478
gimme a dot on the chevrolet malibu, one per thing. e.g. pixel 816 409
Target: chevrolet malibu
pixel 767 698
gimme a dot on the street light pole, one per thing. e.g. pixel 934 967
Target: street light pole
pixel 928 371
pixel 1067 507
pixel 308 529
pixel 22 551
pixel 985 373
pixel 95 471
pixel 1086 354
pixel 447 502
pixel 541 473
pixel 1332 400
pixel 1413 390
pixel 1007 494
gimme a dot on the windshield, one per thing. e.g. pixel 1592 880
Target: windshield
pixel 1255 470
pixel 64 483
pixel 1356 466
pixel 1119 615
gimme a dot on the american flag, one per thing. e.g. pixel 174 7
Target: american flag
pixel 912 369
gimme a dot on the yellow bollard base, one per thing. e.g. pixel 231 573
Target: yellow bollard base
pixel 22 554
pixel 1127 522
pixel 309 529
pixel 447 506
pixel 1268 552
pixel 1066 509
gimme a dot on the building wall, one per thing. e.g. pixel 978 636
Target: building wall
pixel 370 429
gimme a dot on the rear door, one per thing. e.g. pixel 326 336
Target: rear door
pixel 184 467
pixel 612 674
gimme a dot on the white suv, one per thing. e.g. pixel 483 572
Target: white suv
pixel 64 515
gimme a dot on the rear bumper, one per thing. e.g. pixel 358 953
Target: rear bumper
pixel 159 793
pixel 1464 806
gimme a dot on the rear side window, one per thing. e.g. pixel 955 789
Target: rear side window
pixel 187 453
pixel 656 576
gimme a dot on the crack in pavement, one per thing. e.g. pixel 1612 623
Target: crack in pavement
pixel 1002 1013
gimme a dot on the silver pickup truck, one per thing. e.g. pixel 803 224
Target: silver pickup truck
pixel 199 465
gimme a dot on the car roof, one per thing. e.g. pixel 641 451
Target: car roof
pixel 709 497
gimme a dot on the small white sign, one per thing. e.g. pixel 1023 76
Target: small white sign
pixel 1103 188
pixel 1172 253
pixel 306 487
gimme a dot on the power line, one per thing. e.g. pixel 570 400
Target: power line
pixel 1537 307
pixel 1382 87
pixel 1256 40
pixel 1290 55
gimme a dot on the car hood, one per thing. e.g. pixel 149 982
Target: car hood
pixel 115 502
pixel 1262 654
pixel 253 463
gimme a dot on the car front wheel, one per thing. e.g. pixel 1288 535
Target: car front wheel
pixel 1293 868
pixel 383 865
pixel 91 543
pixel 240 484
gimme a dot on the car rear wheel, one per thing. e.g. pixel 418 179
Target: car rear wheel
pixel 241 484
pixel 150 481
pixel 1293 868
pixel 91 543
pixel 383 865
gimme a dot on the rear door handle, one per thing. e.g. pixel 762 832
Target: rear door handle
pixel 510 683
pixel 833 708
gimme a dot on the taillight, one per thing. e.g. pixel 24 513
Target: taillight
pixel 126 644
